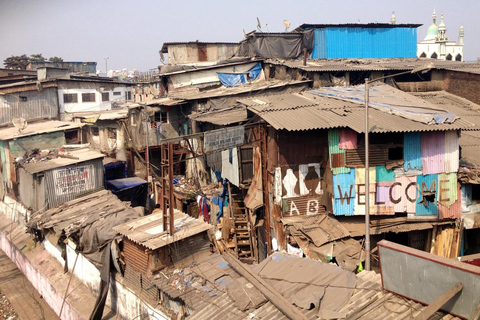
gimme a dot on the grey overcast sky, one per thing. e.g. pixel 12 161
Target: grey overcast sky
pixel 131 32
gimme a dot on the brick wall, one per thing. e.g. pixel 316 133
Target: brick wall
pixel 463 84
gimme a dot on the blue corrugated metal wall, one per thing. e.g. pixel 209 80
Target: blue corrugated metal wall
pixel 348 42
pixel 344 193
pixel 427 182
pixel 412 152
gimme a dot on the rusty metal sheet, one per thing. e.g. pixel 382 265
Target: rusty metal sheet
pixel 338 160
pixel 356 157
pixel 135 256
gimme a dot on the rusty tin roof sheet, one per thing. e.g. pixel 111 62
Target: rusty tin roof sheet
pixel 148 230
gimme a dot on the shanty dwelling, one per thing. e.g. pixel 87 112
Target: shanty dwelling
pixel 33 101
pixel 198 53
pixel 29 142
pixel 106 131
pixel 55 93
pixel 58 178
pixel 80 238
pixel 315 164
pixel 458 78
pixel 148 249
pixel 467 175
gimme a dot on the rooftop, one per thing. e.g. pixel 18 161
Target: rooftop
pixel 357 25
pixel 398 64
pixel 166 44
pixel 391 110
pixel 37 128
pixel 148 230
pixel 73 157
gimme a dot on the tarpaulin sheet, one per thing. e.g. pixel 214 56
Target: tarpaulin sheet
pixel 125 183
pixel 231 79
pixel 276 45
pixel 234 79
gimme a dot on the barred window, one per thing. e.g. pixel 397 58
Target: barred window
pixel 117 93
pixel 129 95
pixel 88 97
pixel 105 96
pixel 70 98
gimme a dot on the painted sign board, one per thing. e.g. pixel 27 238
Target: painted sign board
pixel 300 206
pixel 74 180
pixel 226 138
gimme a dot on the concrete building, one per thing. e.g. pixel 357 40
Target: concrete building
pixel 436 44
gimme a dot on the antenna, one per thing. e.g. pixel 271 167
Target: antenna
pixel 286 24
pixel 259 25
pixel 19 123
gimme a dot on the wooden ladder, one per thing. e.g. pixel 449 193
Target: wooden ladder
pixel 244 249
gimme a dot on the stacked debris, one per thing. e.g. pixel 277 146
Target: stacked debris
pixel 323 238
pixel 37 155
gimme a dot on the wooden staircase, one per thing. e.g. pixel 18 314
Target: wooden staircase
pixel 242 228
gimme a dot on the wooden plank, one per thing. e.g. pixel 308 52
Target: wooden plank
pixel 439 302
pixel 268 291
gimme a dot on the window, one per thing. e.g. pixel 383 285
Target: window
pixel 71 137
pixel 129 95
pixel 105 96
pixel 161 116
pixel 112 133
pixel 88 97
pixel 23 99
pixel 94 131
pixel 117 93
pixel 70 98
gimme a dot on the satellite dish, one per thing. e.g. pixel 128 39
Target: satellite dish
pixel 259 25
pixel 19 123
pixel 286 24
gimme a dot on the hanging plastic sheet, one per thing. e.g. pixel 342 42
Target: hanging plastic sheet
pixel 254 71
pixel 231 79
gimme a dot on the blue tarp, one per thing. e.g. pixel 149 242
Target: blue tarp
pixel 236 79
pixel 125 183
pixel 231 79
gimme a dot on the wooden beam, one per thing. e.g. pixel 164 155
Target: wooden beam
pixel 439 302
pixel 268 291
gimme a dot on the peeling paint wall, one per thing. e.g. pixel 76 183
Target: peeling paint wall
pixel 422 183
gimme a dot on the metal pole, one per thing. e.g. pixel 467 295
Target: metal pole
pixel 147 160
pixel 367 180
pixel 106 65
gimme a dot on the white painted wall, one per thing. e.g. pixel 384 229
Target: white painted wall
pixel 125 302
pixel 98 105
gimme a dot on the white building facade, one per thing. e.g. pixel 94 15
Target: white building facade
pixel 436 44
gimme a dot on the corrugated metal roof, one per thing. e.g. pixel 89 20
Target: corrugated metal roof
pixel 455 104
pixel 222 117
pixel 386 98
pixel 148 231
pixel 37 128
pixel 103 115
pixel 399 64
pixel 161 102
pixel 75 156
pixel 320 229
pixel 309 111
pixel 190 93
pixel 358 25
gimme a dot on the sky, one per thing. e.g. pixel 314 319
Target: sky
pixel 131 33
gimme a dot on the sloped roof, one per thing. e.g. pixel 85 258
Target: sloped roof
pixel 222 117
pixel 388 111
pixel 37 128
pixel 397 64
pixel 75 156
pixel 148 230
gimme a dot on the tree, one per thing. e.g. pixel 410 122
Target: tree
pixel 16 62
pixel 36 58
pixel 55 59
